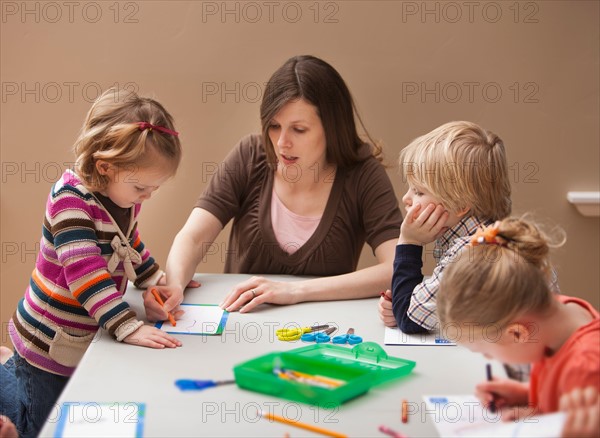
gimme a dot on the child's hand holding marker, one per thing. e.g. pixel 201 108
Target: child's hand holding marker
pixel 160 301
pixel 171 296
pixel 504 394
pixel 159 309
pixel 386 313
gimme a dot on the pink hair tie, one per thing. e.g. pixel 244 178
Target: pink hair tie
pixel 145 125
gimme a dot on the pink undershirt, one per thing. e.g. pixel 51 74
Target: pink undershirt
pixel 291 230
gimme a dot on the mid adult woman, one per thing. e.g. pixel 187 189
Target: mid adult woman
pixel 304 197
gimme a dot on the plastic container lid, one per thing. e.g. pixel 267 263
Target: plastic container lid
pixel 361 367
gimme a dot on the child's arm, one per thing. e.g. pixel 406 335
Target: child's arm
pixel 421 226
pixel 407 275
pixel 148 336
pixel 148 271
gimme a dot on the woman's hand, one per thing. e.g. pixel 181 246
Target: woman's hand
pixel 386 314
pixel 147 336
pixel 423 225
pixel 258 290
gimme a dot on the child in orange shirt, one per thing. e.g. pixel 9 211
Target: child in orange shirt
pixel 497 294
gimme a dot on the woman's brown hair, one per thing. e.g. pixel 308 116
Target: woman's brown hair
pixel 318 83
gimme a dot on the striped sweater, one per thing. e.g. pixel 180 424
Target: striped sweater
pixel 71 293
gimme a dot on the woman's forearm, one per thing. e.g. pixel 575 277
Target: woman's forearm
pixel 364 283
pixel 189 247
pixel 183 258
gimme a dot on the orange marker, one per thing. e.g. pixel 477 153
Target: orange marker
pixel 160 301
pixel 404 411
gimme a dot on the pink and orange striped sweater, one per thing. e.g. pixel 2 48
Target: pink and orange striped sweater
pixel 71 293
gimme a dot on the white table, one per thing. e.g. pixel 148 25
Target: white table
pixel 116 372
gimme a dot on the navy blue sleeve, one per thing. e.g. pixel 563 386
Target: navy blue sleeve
pixel 407 275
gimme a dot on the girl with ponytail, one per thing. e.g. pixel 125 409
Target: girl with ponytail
pixel 90 248
pixel 497 297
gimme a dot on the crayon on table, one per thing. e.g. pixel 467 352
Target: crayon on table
pixel 160 301
pixel 391 432
pixel 385 296
pixel 312 428
pixel 404 411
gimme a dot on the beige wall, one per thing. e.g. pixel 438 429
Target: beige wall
pixel 528 71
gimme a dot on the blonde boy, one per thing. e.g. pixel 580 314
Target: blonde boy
pixel 458 182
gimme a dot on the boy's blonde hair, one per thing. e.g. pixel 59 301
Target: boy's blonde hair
pixel 111 132
pixel 464 166
pixel 494 283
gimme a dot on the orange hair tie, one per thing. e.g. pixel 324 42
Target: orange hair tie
pixel 488 235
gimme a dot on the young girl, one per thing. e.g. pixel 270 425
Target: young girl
pixel 90 247
pixel 497 294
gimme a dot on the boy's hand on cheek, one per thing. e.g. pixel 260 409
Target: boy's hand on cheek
pixel 422 225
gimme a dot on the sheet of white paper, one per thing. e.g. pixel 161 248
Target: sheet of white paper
pixel 198 319
pixel 464 416
pixel 394 336
pixel 541 426
pixel 79 420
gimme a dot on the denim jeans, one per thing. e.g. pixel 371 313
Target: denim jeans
pixel 8 390
pixel 33 393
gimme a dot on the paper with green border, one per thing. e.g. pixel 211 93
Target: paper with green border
pixel 198 319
